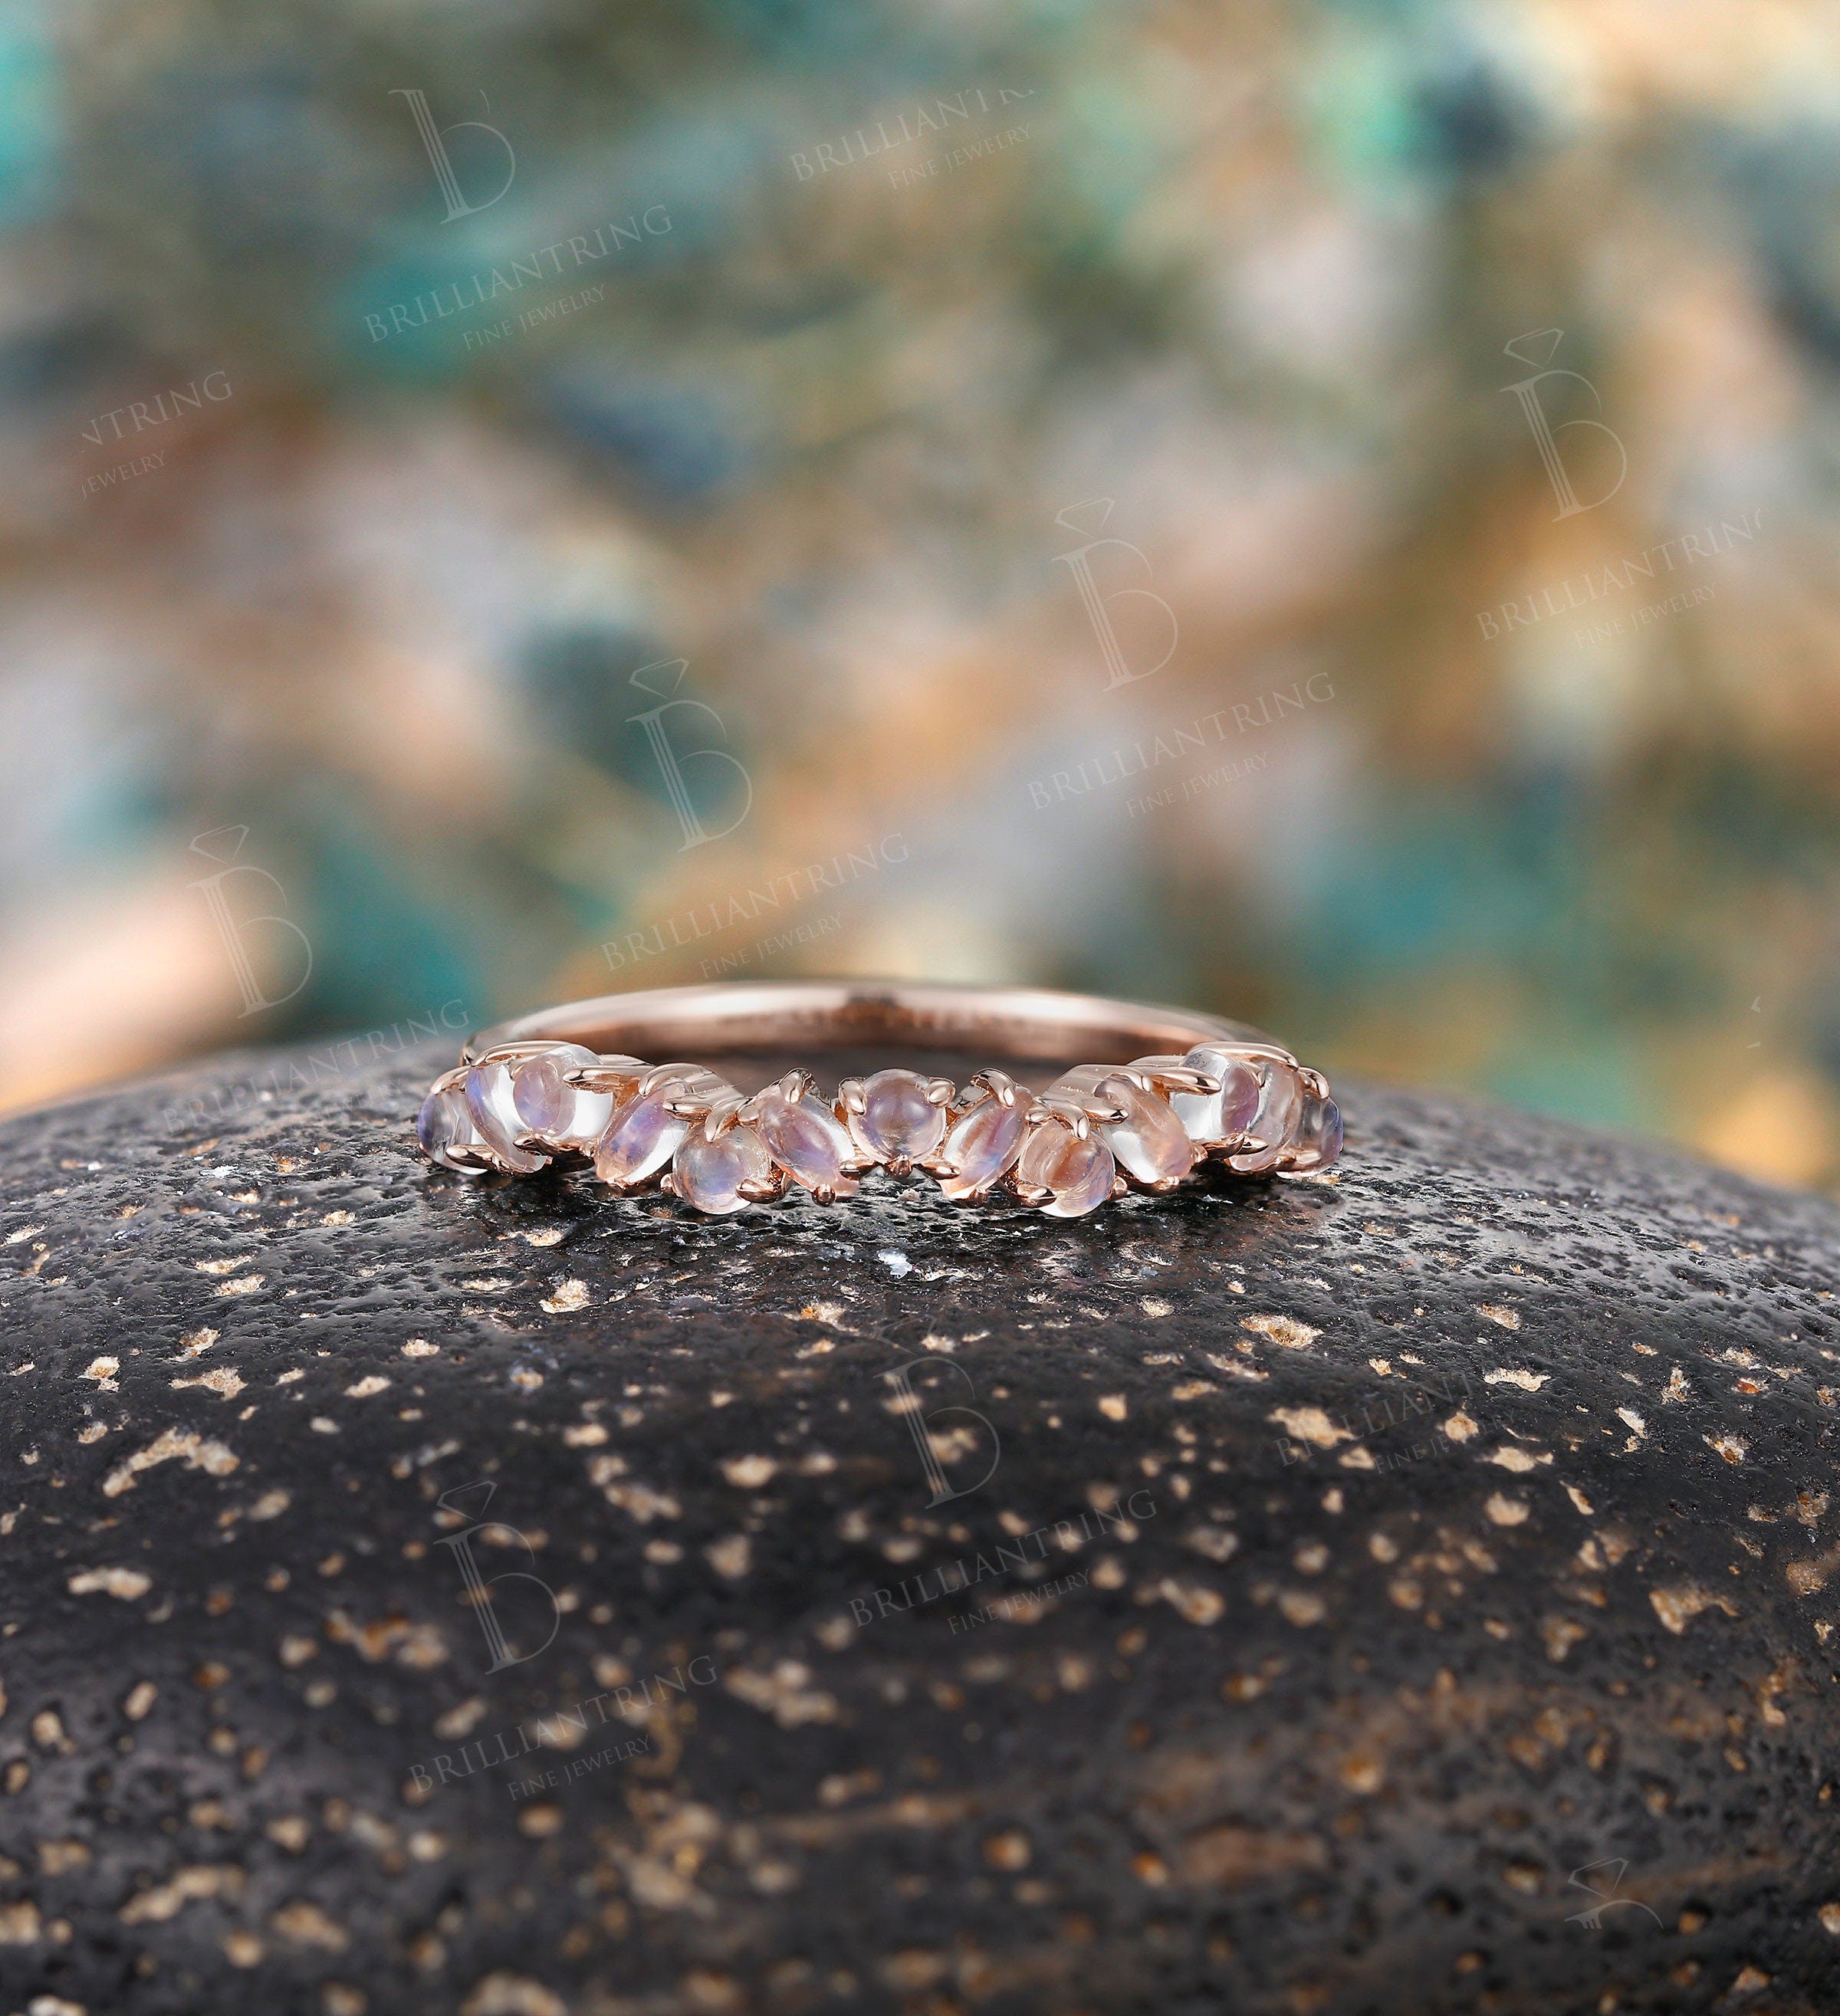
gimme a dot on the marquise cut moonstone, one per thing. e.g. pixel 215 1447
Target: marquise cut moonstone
pixel 709 1174
pixel 445 1128
pixel 1212 1118
pixel 1150 1143
pixel 1078 1172
pixel 564 1115
pixel 807 1141
pixel 898 1122
pixel 640 1139
pixel 981 1145
pixel 489 1100
pixel 1274 1119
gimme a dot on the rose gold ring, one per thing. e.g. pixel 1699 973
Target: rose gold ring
pixel 1177 1090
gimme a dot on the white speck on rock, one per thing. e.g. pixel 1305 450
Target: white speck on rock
pixel 126 1583
pixel 786 1692
pixel 461 1721
pixel 1311 1425
pixel 19 1923
pixel 1290 1332
pixel 1193 1601
pixel 1677 1605
pixel 1560 1634
pixel 1516 1459
pixel 732 1556
pixel 305 1925
pixel 166 1900
pixel 503 1994
pixel 198 1452
pixel 897 1264
pixel 223 1380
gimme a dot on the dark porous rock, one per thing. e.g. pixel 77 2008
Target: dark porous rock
pixel 1405 1592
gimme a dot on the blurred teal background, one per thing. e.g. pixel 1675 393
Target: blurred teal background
pixel 1188 501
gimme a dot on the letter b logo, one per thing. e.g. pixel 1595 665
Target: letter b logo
pixel 479 1588
pixel 1545 434
pixel 434 139
pixel 1098 605
pixel 230 929
pixel 939 1446
pixel 661 680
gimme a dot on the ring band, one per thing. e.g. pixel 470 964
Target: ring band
pixel 1179 1089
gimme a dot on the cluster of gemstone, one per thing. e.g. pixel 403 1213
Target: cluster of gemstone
pixel 1097 1131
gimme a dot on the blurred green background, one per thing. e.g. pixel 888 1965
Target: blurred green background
pixel 1322 512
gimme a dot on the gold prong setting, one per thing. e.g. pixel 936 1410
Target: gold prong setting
pixel 1098 1132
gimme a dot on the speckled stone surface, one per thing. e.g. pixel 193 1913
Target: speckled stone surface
pixel 1458 1636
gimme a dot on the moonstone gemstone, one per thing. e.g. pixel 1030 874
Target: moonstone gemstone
pixel 709 1174
pixel 489 1100
pixel 981 1145
pixel 1318 1133
pixel 1078 1172
pixel 1150 1143
pixel 445 1128
pixel 898 1122
pixel 563 1114
pixel 807 1141
pixel 1274 1119
pixel 1212 1118
pixel 640 1139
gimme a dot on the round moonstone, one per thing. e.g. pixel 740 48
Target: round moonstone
pixel 1274 1121
pixel 1078 1172
pixel 489 1101
pixel 982 1144
pixel 444 1127
pixel 1318 1133
pixel 1150 1143
pixel 709 1174
pixel 562 1114
pixel 1212 1118
pixel 640 1139
pixel 807 1141
pixel 898 1122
